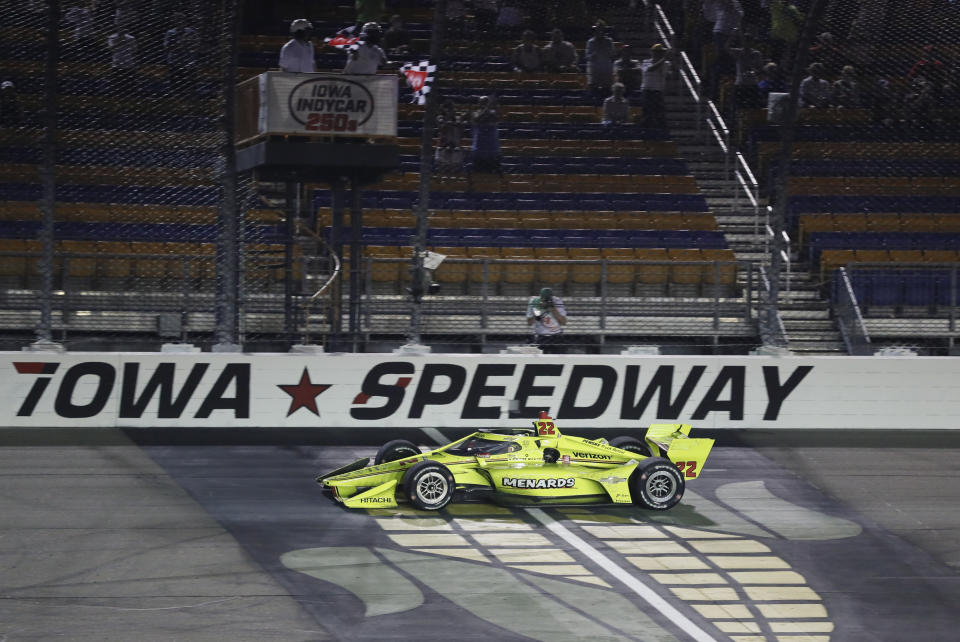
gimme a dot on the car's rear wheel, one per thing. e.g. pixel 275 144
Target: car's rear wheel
pixel 394 450
pixel 631 444
pixel 657 484
pixel 429 485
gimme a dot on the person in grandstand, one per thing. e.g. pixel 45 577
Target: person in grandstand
pixel 559 55
pixel 655 70
pixel 485 149
pixel 616 108
pixel 449 154
pixel 526 56
pixel 815 90
pixel 369 56
pixel 10 113
pixel 181 44
pixel 396 40
pixel 546 314
pixel 599 56
pixel 123 61
pixel 297 55
pixel 626 70
pixel 845 90
pixel 749 63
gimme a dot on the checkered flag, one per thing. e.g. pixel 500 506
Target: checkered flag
pixel 419 76
pixel 347 39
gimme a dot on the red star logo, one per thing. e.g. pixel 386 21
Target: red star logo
pixel 304 394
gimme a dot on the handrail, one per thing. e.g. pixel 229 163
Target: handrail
pixel 780 336
pixel 848 313
pixel 323 288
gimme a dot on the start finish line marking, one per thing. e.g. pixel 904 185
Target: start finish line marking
pixel 647 594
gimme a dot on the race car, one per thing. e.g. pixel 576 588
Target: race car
pixel 538 466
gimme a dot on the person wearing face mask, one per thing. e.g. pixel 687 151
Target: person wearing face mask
pixel 297 55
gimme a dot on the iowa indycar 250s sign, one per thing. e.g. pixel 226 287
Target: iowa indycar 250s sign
pixel 370 390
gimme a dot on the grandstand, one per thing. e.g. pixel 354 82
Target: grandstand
pixel 121 224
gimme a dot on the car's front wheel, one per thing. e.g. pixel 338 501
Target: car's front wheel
pixel 394 450
pixel 428 485
pixel 657 484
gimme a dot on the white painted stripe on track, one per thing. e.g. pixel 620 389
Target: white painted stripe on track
pixel 436 436
pixel 645 592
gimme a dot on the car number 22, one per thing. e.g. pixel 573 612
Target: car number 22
pixel 690 466
pixel 545 428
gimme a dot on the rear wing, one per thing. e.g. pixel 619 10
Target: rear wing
pixel 673 441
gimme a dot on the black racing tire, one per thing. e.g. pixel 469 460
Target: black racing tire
pixel 631 444
pixel 657 484
pixel 428 485
pixel 394 450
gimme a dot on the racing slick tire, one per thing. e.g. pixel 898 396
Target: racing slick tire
pixel 657 484
pixel 428 485
pixel 631 444
pixel 394 450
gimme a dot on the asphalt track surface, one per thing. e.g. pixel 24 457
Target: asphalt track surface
pixel 791 537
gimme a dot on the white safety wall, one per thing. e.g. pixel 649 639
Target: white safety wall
pixel 377 390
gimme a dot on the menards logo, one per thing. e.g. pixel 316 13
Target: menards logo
pixel 563 482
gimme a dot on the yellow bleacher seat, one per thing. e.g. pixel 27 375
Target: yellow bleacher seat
pixel 518 272
pixel 585 273
pixel 871 256
pixel 452 273
pixel 77 266
pixel 948 223
pixel 722 273
pixel 494 270
pixel 919 223
pixel 906 256
pixel 685 274
pixel 652 274
pixel 850 222
pixel 833 259
pixel 12 266
pixel 147 266
pixel 883 222
pixel 704 222
pixel 619 273
pixel 552 272
pixel 940 256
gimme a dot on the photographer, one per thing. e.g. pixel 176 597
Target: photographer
pixel 547 314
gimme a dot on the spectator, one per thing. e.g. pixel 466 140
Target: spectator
pixel 123 61
pixel 547 315
pixel 368 57
pixel 297 55
pixel 919 101
pixel 627 70
pixel 449 154
pixel 370 10
pixel 616 108
pixel 81 17
pixel 485 150
pixel 748 64
pixel 729 14
pixel 396 40
pixel 845 91
pixel 827 51
pixel 929 66
pixel 768 82
pixel 815 90
pixel 485 15
pixel 785 23
pixel 559 55
pixel 526 56
pixel 181 45
pixel 599 55
pixel 655 70
pixel 10 113
pixel 456 17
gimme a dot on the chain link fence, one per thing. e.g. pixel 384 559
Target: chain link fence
pixel 560 152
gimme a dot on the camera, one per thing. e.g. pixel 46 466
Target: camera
pixel 537 314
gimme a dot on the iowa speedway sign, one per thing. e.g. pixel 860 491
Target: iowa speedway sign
pixel 330 391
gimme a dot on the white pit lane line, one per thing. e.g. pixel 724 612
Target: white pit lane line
pixel 645 592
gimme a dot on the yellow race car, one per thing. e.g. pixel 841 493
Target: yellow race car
pixel 533 466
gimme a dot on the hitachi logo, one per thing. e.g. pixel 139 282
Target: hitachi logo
pixel 374 500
